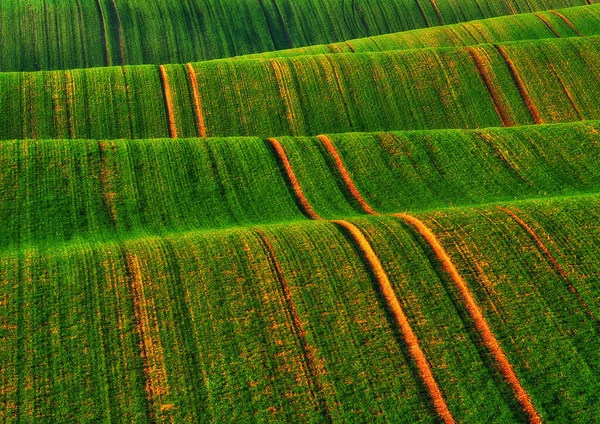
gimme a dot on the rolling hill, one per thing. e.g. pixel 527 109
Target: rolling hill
pixel 311 211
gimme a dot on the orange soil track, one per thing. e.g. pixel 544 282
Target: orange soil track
pixel 301 199
pixel 548 24
pixel 474 310
pixel 567 92
pixel 567 21
pixel 559 270
pixel 400 317
pixel 511 7
pixel 347 43
pixel 307 352
pixel 437 12
pixel 197 103
pixel 520 86
pixel 339 164
pixel 482 69
pixel 164 79
pixel 157 385
pixel 107 59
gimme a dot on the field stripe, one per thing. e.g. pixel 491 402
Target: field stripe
pixel 550 257
pixel 548 24
pixel 128 94
pixel 504 158
pixel 340 89
pixel 346 178
pixel 400 318
pixel 164 79
pixel 423 13
pixel 567 21
pixel 520 85
pixel 284 93
pixel 307 351
pixel 81 33
pixel 568 93
pixel 105 179
pixel 197 102
pixel 119 32
pixel 482 66
pixel 437 12
pixel 347 43
pixel 290 176
pixel 474 310
pixel 70 96
pixel 511 7
pixel 157 386
pixel 107 59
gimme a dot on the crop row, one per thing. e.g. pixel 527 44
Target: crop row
pixel 569 22
pixel 58 190
pixel 289 322
pixel 537 81
pixel 64 34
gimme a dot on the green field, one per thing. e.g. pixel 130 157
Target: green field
pixel 319 211
pixel 62 34
pixel 308 95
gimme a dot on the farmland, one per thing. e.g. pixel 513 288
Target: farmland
pixel 313 211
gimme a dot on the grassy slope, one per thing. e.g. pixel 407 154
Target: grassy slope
pixel 527 26
pixel 58 190
pixel 39 35
pixel 189 304
pixel 399 90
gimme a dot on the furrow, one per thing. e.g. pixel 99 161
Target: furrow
pixel 157 386
pixel 164 79
pixel 483 69
pixel 547 23
pixel 476 313
pixel 400 318
pixel 346 178
pixel 197 102
pixel 292 180
pixel 520 85
pixel 567 21
pixel 307 351
pixel 550 257
pixel 107 60
pixel 567 92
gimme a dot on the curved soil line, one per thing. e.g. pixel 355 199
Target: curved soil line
pixel 291 179
pixel 520 85
pixel 476 313
pixel 567 21
pixel 548 24
pixel 394 306
pixel 346 178
pixel 483 68
pixel 307 351
pixel 197 103
pixel 550 257
pixel 164 79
